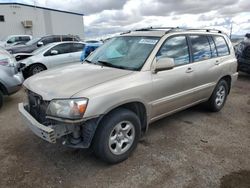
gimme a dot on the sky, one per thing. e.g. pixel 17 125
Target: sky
pixel 103 18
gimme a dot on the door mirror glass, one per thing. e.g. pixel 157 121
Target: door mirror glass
pixel 164 64
pixel 53 52
pixel 39 44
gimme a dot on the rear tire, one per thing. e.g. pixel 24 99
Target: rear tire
pixel 117 136
pixel 1 99
pixel 34 69
pixel 219 96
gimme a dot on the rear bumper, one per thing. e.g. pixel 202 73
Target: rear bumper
pixel 44 132
pixel 234 78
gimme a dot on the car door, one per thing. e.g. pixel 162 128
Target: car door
pixel 58 55
pixel 206 69
pixel 77 49
pixel 172 88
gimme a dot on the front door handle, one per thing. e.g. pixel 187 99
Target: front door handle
pixel 217 62
pixel 189 69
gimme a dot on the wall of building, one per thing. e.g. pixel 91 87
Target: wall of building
pixel 45 22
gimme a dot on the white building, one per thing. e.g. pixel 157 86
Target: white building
pixel 18 18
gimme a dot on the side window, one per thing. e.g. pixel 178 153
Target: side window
pixel 77 47
pixel 200 47
pixel 221 45
pixel 56 39
pixel 47 40
pixel 2 18
pixel 212 46
pixel 63 48
pixel 64 38
pixel 176 48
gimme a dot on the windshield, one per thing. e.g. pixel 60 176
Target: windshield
pixel 42 49
pixel 33 41
pixel 125 52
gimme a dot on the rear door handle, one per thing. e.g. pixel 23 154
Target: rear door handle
pixel 189 69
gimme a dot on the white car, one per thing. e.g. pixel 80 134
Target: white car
pixel 49 56
pixel 14 40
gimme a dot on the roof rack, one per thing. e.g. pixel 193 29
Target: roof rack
pixel 149 29
pixel 172 29
pixel 195 29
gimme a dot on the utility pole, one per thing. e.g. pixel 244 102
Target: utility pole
pixel 231 30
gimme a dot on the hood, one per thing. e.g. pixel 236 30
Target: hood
pixel 66 81
pixel 22 56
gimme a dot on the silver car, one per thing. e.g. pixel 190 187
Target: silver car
pixel 50 56
pixel 14 40
pixel 10 79
pixel 126 84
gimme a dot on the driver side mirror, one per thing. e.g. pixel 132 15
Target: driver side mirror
pixel 164 64
pixel 39 44
pixel 9 42
pixel 53 52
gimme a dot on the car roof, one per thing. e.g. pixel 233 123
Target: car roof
pixel 161 31
pixel 72 36
pixel 65 42
pixel 19 36
pixel 145 33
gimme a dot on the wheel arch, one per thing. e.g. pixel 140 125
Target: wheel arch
pixel 37 63
pixel 228 79
pixel 3 89
pixel 138 107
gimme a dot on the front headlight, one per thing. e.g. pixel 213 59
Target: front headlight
pixel 7 62
pixel 73 109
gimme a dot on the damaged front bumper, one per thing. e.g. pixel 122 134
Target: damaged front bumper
pixel 44 132
pixel 76 136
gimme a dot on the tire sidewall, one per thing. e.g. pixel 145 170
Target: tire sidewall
pixel 31 69
pixel 1 99
pixel 215 106
pixel 107 125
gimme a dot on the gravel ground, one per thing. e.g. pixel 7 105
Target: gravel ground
pixel 192 148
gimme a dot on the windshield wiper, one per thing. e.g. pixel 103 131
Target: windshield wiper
pixel 105 63
pixel 88 61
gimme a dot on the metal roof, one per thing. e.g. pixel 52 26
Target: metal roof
pixel 33 6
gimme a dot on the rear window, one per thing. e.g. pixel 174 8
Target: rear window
pixel 200 47
pixel 221 46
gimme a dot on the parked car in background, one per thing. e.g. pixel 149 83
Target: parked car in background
pixel 242 51
pixel 36 43
pixel 13 40
pixel 129 82
pixel 89 48
pixel 94 41
pixel 49 56
pixel 10 79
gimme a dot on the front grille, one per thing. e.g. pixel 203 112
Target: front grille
pixel 37 107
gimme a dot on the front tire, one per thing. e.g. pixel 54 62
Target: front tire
pixel 219 96
pixel 117 136
pixel 34 69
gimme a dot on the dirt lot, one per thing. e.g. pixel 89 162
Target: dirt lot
pixel 193 148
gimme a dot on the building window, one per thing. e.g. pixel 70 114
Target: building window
pixel 1 18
